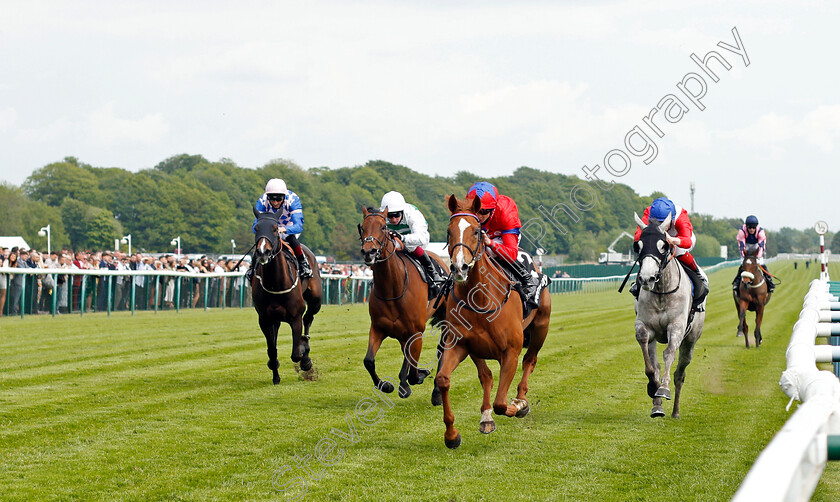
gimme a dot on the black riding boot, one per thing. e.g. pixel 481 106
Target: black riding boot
pixel 737 281
pixel 527 282
pixel 249 274
pixel 700 289
pixel 305 271
pixel 432 274
pixel 769 279
pixel 634 289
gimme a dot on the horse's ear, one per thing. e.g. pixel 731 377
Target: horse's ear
pixel 453 203
pixel 385 211
pixel 476 204
pixel 665 224
pixel 256 213
pixel 639 220
pixel 365 210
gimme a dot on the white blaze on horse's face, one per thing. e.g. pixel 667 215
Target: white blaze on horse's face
pixel 459 260
pixel 262 251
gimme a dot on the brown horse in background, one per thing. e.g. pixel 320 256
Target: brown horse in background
pixel 399 305
pixel 752 295
pixel 484 321
pixel 280 295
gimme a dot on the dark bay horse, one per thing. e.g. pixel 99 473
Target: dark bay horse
pixel 752 294
pixel 662 312
pixel 280 295
pixel 484 321
pixel 399 306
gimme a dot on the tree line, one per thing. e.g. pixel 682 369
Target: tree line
pixel 208 204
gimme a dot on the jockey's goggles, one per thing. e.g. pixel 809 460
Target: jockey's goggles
pixel 276 197
pixel 397 214
pixel 484 211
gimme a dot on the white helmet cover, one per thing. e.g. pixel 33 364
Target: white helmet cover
pixel 394 201
pixel 276 185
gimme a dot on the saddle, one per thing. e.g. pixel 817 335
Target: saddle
pixel 525 260
pixel 420 268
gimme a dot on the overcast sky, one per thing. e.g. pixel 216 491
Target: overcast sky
pixel 439 87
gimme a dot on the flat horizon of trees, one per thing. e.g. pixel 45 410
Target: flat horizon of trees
pixel 208 204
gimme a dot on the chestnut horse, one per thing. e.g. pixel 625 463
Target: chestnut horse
pixel 752 294
pixel 484 321
pixel 280 295
pixel 399 306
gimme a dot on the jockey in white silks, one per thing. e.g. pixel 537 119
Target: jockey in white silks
pixel 407 221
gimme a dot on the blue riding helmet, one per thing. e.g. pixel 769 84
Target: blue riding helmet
pixel 751 221
pixel 661 208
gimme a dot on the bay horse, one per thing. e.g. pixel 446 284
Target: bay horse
pixel 279 294
pixel 662 314
pixel 484 321
pixel 752 294
pixel 399 304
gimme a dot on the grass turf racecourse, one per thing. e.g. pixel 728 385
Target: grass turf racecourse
pixel 180 406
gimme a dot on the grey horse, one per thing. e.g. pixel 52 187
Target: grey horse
pixel 662 314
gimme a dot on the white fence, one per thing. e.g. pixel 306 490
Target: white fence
pixel 790 466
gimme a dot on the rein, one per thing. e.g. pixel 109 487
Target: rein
pixel 679 279
pixel 292 271
pixel 370 238
pixel 378 259
pixel 477 255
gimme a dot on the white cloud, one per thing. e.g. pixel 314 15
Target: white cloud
pixel 8 117
pixel 106 128
pixel 819 127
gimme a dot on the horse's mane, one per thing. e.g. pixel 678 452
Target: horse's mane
pixel 373 210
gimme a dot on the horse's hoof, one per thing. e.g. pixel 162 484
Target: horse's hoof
pixel 386 387
pixel 421 376
pixel 436 399
pixel 657 412
pixel 740 333
pixel 487 427
pixel 454 443
pixel 276 380
pixel 524 411
pixel 405 391
pixel 663 392
pixel 306 364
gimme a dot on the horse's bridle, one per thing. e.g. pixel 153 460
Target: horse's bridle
pixel 276 248
pixel 378 256
pixel 758 267
pixel 479 247
pixel 662 263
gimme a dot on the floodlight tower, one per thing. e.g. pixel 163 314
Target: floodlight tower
pixel 692 196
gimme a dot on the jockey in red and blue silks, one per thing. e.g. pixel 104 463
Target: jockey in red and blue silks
pixel 278 199
pixel 680 234
pixel 499 218
pixel 751 233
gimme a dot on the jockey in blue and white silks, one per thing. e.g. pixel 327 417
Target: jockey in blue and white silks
pixel 279 199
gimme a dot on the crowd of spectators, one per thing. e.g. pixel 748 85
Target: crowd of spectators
pixel 149 293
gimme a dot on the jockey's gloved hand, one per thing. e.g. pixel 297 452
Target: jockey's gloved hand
pixel 395 235
pixel 675 241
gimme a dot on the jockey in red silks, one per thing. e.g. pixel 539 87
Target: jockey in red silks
pixel 499 218
pixel 681 235
pixel 751 233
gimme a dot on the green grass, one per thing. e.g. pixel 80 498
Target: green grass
pixel 174 406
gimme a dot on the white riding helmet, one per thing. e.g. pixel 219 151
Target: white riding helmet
pixel 394 201
pixel 276 185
